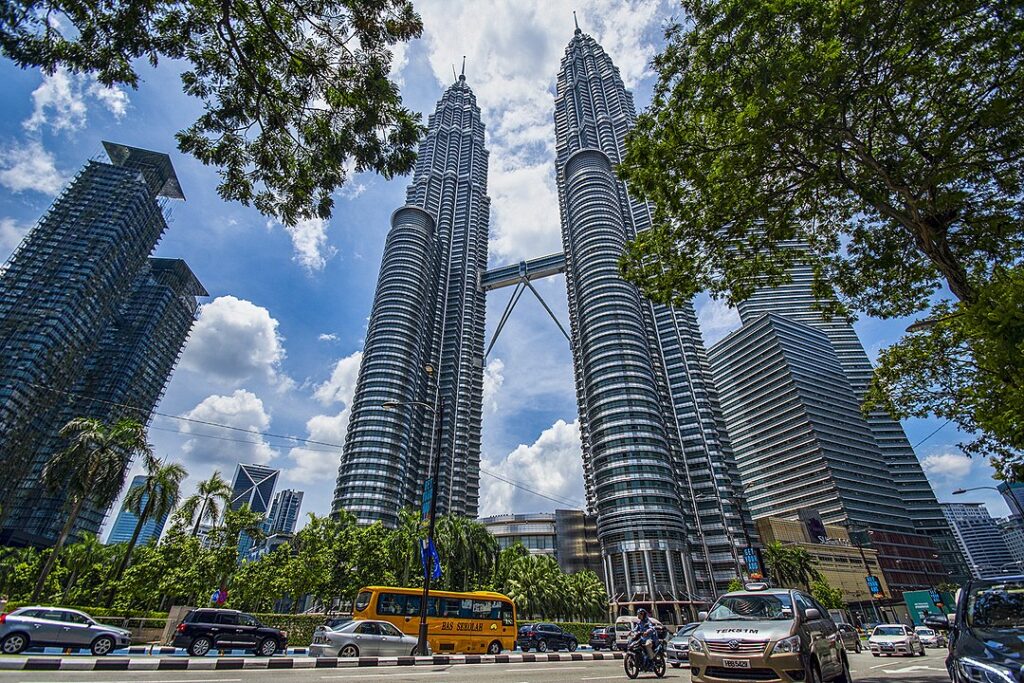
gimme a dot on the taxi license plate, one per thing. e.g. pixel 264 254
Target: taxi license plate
pixel 736 663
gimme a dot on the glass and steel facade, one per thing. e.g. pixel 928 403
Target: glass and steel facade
pixel 125 522
pixel 659 474
pixel 428 310
pixel 796 301
pixel 89 327
pixel 284 512
pixel 981 539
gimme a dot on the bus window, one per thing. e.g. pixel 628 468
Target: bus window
pixel 507 617
pixel 450 607
pixel 362 601
pixel 390 604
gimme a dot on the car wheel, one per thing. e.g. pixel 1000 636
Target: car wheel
pixel 922 653
pixel 573 645
pixel 875 654
pixel 349 651
pixel 676 665
pixel 857 647
pixel 494 648
pixel 267 648
pixel 844 675
pixel 542 646
pixel 103 645
pixel 200 646
pixel 524 647
pixel 14 643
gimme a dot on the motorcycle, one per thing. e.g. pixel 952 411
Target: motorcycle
pixel 637 662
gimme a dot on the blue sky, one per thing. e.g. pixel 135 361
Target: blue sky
pixel 277 345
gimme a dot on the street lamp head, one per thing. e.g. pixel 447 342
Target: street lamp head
pixel 389 405
pixel 957 492
pixel 429 369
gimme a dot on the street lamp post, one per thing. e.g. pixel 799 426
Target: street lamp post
pixel 435 466
pixel 1016 503
pixel 867 569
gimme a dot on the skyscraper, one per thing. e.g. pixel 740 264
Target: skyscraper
pixel 980 538
pixel 427 310
pixel 1013 494
pixel 658 472
pixel 796 301
pixel 125 522
pixel 284 512
pixel 89 327
pixel 253 484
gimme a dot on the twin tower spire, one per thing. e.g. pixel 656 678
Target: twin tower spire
pixel 659 476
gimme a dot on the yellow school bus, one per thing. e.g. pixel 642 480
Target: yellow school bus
pixel 476 622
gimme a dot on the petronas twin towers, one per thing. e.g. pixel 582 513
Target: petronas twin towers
pixel 659 472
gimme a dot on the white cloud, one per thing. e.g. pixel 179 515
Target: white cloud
pixel 327 337
pixel 30 167
pixel 11 235
pixel 316 462
pixel 237 341
pixel 242 410
pixel 309 239
pixel 342 383
pixel 947 465
pixel 716 320
pixel 493 379
pixel 552 465
pixel 60 101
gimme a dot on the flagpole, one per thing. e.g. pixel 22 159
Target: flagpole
pixel 427 550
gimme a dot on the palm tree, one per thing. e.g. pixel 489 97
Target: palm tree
pixel 803 567
pixel 79 558
pixel 157 496
pixel 780 563
pixel 210 495
pixel 92 468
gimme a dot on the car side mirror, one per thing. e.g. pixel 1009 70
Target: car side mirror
pixel 701 616
pixel 937 623
pixel 812 614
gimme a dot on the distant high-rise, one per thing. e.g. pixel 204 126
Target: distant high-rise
pixel 659 473
pixel 980 538
pixel 284 512
pixel 796 301
pixel 89 326
pixel 1013 494
pixel 428 310
pixel 125 522
pixel 254 484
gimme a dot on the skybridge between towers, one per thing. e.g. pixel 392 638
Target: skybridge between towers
pixel 520 275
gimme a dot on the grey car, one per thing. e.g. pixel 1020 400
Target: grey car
pixel 363 638
pixel 677 650
pixel 58 627
pixel 850 637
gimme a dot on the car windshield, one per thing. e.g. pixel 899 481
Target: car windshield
pixel 924 632
pixel 889 631
pixel 756 607
pixel 997 606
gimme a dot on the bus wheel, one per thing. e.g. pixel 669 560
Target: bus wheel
pixel 494 648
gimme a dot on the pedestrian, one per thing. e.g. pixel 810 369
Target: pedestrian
pixel 3 604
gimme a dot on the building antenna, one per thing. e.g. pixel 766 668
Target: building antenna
pixel 463 66
pixel 575 20
pixel 454 75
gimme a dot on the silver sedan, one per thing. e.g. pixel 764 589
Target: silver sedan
pixel 58 627
pixel 364 638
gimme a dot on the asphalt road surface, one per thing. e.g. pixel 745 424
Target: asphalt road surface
pixel 866 669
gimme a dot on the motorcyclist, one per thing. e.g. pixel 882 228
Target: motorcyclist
pixel 648 634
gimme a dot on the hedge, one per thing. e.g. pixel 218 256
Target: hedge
pixel 300 627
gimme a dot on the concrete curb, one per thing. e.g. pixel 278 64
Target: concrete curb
pixel 223 663
pixel 150 650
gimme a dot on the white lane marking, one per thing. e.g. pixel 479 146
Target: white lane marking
pixel 378 675
pixel 908 669
pixel 600 678
pixel 170 680
pixel 548 668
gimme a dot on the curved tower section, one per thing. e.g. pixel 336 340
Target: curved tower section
pixel 659 472
pixel 428 310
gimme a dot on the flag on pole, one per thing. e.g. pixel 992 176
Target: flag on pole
pixel 428 550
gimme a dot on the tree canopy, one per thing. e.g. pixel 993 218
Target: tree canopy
pixel 296 93
pixel 885 138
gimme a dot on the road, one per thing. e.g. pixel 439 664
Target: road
pixel 866 669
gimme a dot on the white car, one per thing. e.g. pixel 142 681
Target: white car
pixel 930 638
pixel 895 639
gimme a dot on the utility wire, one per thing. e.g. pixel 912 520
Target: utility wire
pixel 332 447
pixel 934 432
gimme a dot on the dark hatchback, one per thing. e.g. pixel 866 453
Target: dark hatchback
pixel 543 637
pixel 226 629
pixel 602 638
pixel 986 638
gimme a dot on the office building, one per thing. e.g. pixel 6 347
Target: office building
pixel 659 475
pixel 796 301
pixel 1013 493
pixel 428 310
pixel 125 522
pixel 89 327
pixel 841 563
pixel 254 484
pixel 797 430
pixel 570 536
pixel 1013 534
pixel 981 540
pixel 284 512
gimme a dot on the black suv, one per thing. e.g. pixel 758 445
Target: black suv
pixel 545 637
pixel 227 629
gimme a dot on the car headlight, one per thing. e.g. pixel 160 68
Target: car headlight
pixel 695 645
pixel 787 646
pixel 981 672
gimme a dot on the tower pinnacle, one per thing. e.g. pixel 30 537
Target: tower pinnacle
pixel 576 21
